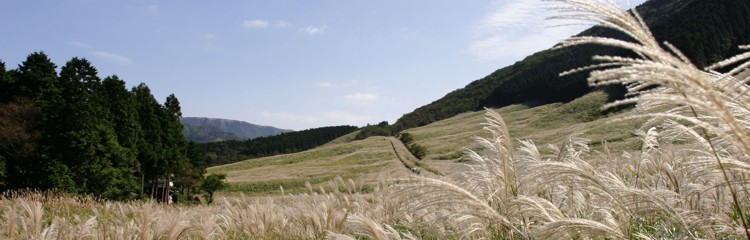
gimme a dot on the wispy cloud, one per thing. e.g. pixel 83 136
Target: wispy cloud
pixel 257 23
pixel 313 30
pixel 153 9
pixel 515 29
pixel 79 44
pixel 261 23
pixel 325 84
pixel 281 24
pixel 112 58
pixel 362 98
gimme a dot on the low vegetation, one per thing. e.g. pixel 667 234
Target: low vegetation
pixel 415 149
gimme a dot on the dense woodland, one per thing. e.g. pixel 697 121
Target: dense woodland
pixel 218 153
pixel 705 30
pixel 78 133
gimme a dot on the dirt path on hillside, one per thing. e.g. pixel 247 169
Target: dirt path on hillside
pixel 410 161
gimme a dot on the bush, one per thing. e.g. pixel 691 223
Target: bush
pixel 211 184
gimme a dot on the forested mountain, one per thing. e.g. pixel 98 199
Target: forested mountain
pixel 78 133
pixel 218 153
pixel 201 129
pixel 705 30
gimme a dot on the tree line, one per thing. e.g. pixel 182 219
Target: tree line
pixel 218 153
pixel 78 133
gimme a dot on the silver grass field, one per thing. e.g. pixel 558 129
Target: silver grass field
pixel 688 181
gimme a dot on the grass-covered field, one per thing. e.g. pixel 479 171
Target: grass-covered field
pixel 546 124
pixel 368 160
pixel 365 161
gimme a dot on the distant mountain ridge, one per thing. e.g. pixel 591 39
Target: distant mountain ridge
pixel 705 31
pixel 203 129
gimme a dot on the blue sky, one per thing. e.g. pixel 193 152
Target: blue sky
pixel 290 64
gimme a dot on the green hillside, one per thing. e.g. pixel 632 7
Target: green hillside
pixel 705 36
pixel 364 161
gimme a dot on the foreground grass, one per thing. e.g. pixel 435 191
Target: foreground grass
pixel 313 216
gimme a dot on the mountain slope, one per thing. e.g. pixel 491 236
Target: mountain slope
pixel 201 129
pixel 704 30
pixel 373 159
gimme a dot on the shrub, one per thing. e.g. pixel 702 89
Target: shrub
pixel 211 184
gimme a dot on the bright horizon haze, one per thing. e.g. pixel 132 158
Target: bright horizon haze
pixel 288 64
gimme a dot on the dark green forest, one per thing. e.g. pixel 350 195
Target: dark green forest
pixel 218 153
pixel 705 30
pixel 77 133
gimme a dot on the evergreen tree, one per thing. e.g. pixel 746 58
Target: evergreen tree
pixel 174 141
pixel 121 139
pixel 36 75
pixel 32 88
pixel 150 151
pixel 78 124
pixel 123 112
pixel 6 84
pixel 189 178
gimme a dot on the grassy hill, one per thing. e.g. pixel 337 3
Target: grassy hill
pixel 366 161
pixel 362 160
pixel 705 30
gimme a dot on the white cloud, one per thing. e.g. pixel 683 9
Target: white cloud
pixel 257 23
pixel 361 98
pixel 112 58
pixel 313 30
pixel 516 29
pixel 209 36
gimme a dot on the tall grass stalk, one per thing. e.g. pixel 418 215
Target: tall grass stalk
pixel 713 105
pixel 695 159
